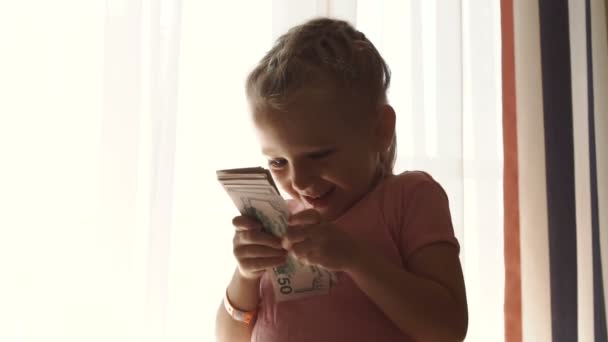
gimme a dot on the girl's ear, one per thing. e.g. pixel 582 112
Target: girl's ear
pixel 385 128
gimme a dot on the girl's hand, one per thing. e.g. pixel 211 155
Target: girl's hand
pixel 315 242
pixel 255 250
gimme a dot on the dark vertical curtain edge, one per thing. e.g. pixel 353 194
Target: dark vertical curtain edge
pixel 599 308
pixel 559 167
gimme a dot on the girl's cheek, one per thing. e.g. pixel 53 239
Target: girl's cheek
pixel 277 177
pixel 283 183
pixel 286 186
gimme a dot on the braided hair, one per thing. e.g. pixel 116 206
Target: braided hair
pixel 326 54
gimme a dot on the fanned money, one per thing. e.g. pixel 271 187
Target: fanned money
pixel 255 194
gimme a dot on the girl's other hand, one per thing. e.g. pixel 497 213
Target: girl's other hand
pixel 315 242
pixel 255 250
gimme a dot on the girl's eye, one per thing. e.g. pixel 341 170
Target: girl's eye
pixel 277 163
pixel 321 154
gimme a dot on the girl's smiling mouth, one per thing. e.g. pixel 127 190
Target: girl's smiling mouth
pixel 321 201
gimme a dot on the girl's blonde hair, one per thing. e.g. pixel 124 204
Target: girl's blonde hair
pixel 322 53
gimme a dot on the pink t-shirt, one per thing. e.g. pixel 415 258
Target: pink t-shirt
pixel 400 215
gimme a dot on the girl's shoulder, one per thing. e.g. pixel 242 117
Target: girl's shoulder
pixel 401 194
pixel 415 176
pixel 408 182
pixel 416 209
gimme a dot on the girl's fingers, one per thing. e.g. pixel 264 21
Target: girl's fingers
pixel 260 264
pixel 249 231
pixel 304 217
pixel 258 251
pixel 253 237
pixel 243 223
pixel 295 235
pixel 301 226
pixel 254 249
pixel 302 249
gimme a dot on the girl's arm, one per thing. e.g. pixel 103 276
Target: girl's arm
pixel 255 251
pixel 427 301
pixel 243 293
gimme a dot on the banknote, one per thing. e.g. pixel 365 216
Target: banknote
pixel 255 194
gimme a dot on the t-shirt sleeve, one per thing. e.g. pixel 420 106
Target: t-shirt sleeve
pixel 422 214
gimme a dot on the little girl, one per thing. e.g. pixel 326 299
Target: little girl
pixel 319 107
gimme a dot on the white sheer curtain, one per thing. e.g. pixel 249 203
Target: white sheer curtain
pixel 115 114
pixel 446 89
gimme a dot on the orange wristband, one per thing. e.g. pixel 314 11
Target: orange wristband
pixel 242 316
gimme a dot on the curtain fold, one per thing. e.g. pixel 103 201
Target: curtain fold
pixel 446 91
pixel 139 113
pixel 555 78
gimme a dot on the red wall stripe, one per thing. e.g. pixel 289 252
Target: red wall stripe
pixel 513 311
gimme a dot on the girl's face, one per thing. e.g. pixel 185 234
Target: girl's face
pixel 317 158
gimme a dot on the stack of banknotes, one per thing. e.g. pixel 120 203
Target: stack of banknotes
pixel 255 194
